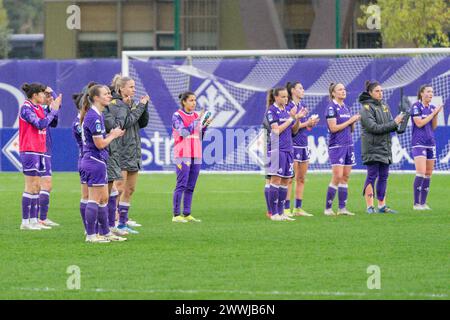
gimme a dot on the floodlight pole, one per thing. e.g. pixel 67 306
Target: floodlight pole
pixel 338 23
pixel 176 24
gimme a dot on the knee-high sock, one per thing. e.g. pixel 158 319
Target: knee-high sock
pixel 112 206
pixel 26 206
pixel 282 193
pixel 425 189
pixel 418 181
pixel 83 204
pixel 342 195
pixel 266 196
pixel 383 175
pixel 91 217
pixel 44 201
pixel 287 203
pixel 331 193
pixel 103 219
pixel 34 208
pixel 123 212
pixel 273 199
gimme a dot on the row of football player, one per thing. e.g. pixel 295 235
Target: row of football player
pixel 287 121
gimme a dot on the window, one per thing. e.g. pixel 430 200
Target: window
pixel 138 40
pixel 297 39
pixel 369 40
pixel 97 44
pixel 165 41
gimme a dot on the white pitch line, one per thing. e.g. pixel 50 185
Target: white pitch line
pixel 268 293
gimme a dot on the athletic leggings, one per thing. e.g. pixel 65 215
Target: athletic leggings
pixel 377 170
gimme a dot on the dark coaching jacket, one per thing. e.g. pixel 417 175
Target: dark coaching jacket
pixel 376 124
pixel 126 150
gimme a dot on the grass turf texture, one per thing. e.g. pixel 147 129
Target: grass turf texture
pixel 235 252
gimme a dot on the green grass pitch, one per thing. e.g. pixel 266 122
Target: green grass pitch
pixel 235 252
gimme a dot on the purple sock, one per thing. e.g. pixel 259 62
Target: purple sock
pixel 112 206
pixel 298 203
pixel 342 195
pixel 266 195
pixel 83 204
pixel 282 194
pixel 418 181
pixel 331 193
pixel 26 205
pixel 34 206
pixel 91 217
pixel 44 200
pixel 273 199
pixel 425 189
pixel 102 218
pixel 123 212
pixel 287 203
pixel 381 187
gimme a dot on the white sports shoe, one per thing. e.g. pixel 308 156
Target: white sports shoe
pixel 49 223
pixel 276 217
pixel 345 212
pixel 329 212
pixel 42 226
pixel 113 237
pixel 118 232
pixel 425 207
pixel 286 217
pixel 29 226
pixel 418 207
pixel 133 224
pixel 97 239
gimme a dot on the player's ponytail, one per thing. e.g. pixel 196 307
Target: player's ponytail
pixel 270 99
pixel 421 90
pixel 331 90
pixel 369 85
pixel 290 86
pixel 184 96
pixel 120 82
pixel 33 88
pixel 88 100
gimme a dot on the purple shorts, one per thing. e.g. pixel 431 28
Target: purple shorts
pixel 281 164
pixel 426 152
pixel 48 166
pixel 93 171
pixel 301 154
pixel 33 164
pixel 80 172
pixel 342 156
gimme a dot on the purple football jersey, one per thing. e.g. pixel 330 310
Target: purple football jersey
pixel 341 114
pixel 301 138
pixel 280 116
pixel 422 136
pixel 76 132
pixel 93 125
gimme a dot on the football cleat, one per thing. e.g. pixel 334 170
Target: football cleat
pixel 179 219
pixel 118 232
pixel 97 239
pixel 49 223
pixel 329 212
pixel 418 207
pixel 345 212
pixel 288 213
pixel 190 218
pixel 425 207
pixel 29 226
pixel 386 209
pixel 371 210
pixel 126 228
pixel 110 236
pixel 286 217
pixel 276 217
pixel 299 212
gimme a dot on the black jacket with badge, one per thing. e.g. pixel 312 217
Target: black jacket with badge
pixel 126 150
pixel 376 127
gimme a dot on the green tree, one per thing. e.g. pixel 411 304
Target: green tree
pixel 422 23
pixel 4 32
pixel 25 16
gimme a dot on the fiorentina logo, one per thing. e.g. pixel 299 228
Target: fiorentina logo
pixel 214 97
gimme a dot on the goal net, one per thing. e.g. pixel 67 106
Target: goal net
pixel 233 85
